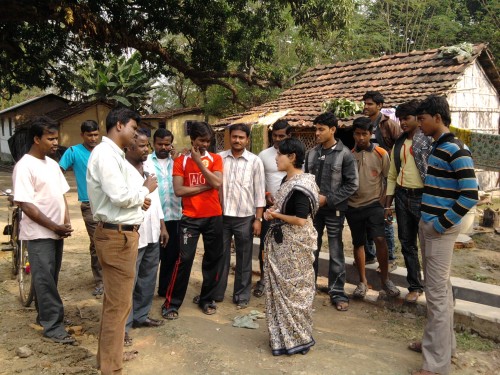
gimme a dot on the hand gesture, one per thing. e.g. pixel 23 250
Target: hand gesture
pixel 151 183
pixel 196 155
pixel 146 204
pixel 63 230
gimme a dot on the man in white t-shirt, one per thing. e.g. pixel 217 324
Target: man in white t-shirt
pixel 39 188
pixel 280 130
pixel 151 232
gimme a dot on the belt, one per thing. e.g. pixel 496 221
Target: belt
pixel 412 192
pixel 120 227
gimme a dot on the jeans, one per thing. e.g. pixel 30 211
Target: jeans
pixel 370 252
pixel 336 266
pixel 169 255
pixel 408 216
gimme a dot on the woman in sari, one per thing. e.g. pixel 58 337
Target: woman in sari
pixel 289 246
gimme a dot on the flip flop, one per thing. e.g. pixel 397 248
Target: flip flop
pixel 342 305
pixel 196 300
pixel 259 290
pixel 415 346
pixel 127 341
pixel 209 308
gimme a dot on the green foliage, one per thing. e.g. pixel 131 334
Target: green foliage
pixel 343 108
pixel 122 80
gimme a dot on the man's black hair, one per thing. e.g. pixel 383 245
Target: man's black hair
pixel 41 125
pixel 363 123
pixel 162 133
pixel 282 124
pixel 241 127
pixel 89 126
pixel 407 109
pixel 376 96
pixel 436 105
pixel 328 118
pixel 121 115
pixel 200 129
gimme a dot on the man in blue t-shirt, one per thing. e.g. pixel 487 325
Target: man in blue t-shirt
pixel 77 157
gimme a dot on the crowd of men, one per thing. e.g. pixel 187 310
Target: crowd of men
pixel 145 212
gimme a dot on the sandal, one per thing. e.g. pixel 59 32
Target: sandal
pixel 259 290
pixel 170 314
pixel 390 289
pixel 129 356
pixel 341 305
pixel 360 291
pixel 196 300
pixel 415 346
pixel 127 341
pixel 62 339
pixel 209 308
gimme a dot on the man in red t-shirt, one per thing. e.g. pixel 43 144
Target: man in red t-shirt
pixel 197 178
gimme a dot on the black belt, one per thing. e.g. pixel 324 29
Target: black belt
pixel 120 227
pixel 412 192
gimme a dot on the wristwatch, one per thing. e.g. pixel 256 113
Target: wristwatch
pixel 258 218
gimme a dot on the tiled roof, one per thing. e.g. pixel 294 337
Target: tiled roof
pixel 399 78
pixel 73 108
pixel 171 113
pixel 32 100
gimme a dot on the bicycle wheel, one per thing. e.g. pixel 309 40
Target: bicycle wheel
pixel 14 243
pixel 24 275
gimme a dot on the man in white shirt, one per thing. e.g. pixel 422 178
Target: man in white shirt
pixel 280 131
pixel 151 232
pixel 39 188
pixel 243 201
pixel 116 203
pixel 161 163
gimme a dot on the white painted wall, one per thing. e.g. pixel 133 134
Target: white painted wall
pixel 474 102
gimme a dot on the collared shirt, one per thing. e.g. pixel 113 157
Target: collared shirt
pixel 170 203
pixel 77 157
pixel 273 176
pixel 373 167
pixel 149 231
pixel 112 195
pixel 409 175
pixel 243 184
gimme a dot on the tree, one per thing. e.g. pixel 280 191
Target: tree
pixel 208 42
pixel 121 79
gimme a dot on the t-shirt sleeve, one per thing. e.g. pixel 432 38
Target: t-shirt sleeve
pixel 67 159
pixel 217 163
pixel 24 190
pixel 177 170
pixel 62 182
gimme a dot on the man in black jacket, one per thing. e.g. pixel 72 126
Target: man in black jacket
pixel 337 177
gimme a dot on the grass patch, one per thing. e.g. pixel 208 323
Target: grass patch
pixel 471 341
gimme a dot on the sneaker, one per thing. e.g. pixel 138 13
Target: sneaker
pixel 390 289
pixel 360 291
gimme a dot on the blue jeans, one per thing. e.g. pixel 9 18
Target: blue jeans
pixel 370 252
pixel 336 266
pixel 408 216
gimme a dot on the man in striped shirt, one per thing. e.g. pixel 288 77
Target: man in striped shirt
pixel 243 202
pixel 450 191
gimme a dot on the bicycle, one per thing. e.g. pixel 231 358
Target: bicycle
pixel 19 248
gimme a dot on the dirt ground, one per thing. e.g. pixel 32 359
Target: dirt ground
pixel 368 339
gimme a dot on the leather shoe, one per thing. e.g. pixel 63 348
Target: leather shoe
pixel 149 322
pixel 412 297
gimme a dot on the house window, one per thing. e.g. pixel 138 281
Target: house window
pixel 162 125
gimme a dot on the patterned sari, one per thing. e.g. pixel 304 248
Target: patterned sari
pixel 289 273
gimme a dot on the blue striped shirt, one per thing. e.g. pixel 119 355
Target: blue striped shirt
pixel 450 187
pixel 170 203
